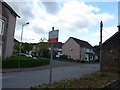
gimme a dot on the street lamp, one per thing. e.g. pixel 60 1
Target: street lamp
pixel 22 35
pixel 21 44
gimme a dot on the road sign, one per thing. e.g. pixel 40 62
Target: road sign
pixel 21 47
pixel 53 36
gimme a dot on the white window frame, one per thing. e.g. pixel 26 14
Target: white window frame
pixel 2 24
pixel 87 50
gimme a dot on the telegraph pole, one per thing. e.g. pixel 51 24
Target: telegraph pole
pixel 101 26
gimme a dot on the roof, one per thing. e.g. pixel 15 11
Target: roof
pixel 58 45
pixel 82 43
pixel 7 6
pixel 15 40
pixel 117 33
pixel 55 45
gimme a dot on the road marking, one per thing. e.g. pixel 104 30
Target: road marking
pixel 7 77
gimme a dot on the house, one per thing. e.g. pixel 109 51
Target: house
pixel 44 49
pixel 78 49
pixel 96 50
pixel 111 50
pixel 7 28
pixel 57 48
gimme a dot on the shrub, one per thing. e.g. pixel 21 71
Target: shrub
pixel 83 61
pixel 13 61
pixel 77 60
pixel 70 59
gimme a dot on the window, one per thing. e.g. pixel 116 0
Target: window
pixel 1 26
pixel 86 50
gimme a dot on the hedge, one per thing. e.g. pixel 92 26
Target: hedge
pixel 12 62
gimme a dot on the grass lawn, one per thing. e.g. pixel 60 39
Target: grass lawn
pixel 93 80
pixel 12 62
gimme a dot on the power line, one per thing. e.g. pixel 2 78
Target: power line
pixel 106 32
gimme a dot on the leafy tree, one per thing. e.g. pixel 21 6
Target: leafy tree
pixel 42 49
pixel 27 47
pixel 16 47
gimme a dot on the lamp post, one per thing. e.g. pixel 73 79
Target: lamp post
pixel 22 35
pixel 21 43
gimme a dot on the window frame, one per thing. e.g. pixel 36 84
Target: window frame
pixel 2 26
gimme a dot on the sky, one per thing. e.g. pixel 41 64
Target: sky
pixel 73 18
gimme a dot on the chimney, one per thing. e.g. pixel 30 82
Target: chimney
pixel 118 27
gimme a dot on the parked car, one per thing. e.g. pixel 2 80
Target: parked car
pixel 26 55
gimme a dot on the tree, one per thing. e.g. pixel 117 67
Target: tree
pixel 16 47
pixel 43 49
pixel 27 47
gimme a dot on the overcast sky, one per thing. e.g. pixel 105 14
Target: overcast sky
pixel 73 19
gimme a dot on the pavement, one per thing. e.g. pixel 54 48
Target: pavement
pixel 56 63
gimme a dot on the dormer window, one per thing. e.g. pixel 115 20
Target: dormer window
pixel 2 24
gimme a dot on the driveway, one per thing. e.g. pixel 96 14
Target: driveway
pixel 63 70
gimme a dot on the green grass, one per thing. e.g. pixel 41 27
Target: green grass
pixel 93 80
pixel 12 62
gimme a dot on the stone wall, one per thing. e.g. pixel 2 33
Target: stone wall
pixel 111 51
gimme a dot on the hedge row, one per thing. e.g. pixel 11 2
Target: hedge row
pixel 13 61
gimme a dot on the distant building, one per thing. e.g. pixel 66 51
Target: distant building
pixel 96 49
pixel 111 50
pixel 57 48
pixel 7 28
pixel 16 46
pixel 78 49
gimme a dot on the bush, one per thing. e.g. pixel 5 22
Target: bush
pixel 64 57
pixel 77 60
pixel 35 55
pixel 83 61
pixel 70 59
pixel 12 62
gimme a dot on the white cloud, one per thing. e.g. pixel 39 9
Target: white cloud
pixel 70 18
pixel 107 33
pixel 104 17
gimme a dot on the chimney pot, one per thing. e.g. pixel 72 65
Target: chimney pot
pixel 118 27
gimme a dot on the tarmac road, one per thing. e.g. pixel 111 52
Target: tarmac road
pixel 27 79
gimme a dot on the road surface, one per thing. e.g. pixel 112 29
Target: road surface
pixel 34 78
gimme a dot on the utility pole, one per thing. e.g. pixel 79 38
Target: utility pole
pixel 101 26
pixel 51 60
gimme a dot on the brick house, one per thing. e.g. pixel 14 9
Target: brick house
pixel 111 50
pixel 7 28
pixel 78 49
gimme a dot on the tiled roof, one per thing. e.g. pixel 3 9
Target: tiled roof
pixel 15 40
pixel 57 45
pixel 117 33
pixel 82 43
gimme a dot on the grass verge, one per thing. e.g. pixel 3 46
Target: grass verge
pixel 12 62
pixel 93 80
